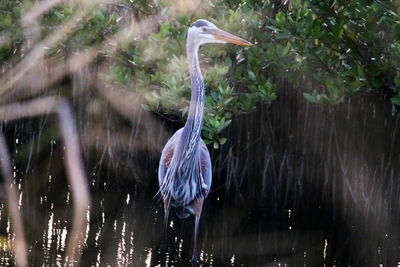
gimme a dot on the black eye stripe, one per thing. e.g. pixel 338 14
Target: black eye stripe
pixel 199 23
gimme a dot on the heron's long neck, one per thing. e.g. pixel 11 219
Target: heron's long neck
pixel 192 130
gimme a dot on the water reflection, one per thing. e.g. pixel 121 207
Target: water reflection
pixel 125 231
pixel 308 186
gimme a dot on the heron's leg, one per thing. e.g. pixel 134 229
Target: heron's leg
pixel 197 208
pixel 167 207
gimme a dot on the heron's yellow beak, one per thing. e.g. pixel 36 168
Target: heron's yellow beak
pixel 230 38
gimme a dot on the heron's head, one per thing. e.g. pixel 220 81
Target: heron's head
pixel 203 31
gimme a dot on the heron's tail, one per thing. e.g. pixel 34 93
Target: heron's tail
pixel 183 212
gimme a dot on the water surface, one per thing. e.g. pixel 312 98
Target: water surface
pixel 296 184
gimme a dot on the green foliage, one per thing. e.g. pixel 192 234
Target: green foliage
pixel 159 72
pixel 335 48
pixel 92 29
pixel 10 33
pixel 328 49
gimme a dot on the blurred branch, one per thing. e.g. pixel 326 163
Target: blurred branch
pixel 77 177
pixel 19 245
pixel 37 10
pixel 75 171
pixel 48 72
pixel 14 81
pixel 115 4
pixel 37 54
pixel 129 105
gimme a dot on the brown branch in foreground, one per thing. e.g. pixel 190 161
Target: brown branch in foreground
pixel 19 246
pixel 75 171
pixel 76 174
pixel 47 73
pixel 10 82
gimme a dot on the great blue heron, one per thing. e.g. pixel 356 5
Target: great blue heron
pixel 184 173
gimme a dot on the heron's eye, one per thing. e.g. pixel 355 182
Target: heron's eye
pixel 204 29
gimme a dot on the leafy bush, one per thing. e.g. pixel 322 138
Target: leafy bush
pixel 329 49
pixel 340 47
pixel 158 70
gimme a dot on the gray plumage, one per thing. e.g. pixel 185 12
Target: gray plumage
pixel 183 179
pixel 184 173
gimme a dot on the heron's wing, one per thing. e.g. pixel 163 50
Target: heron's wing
pixel 166 155
pixel 206 168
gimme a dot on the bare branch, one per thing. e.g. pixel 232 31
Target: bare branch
pixel 19 245
pixel 75 171
pixel 76 176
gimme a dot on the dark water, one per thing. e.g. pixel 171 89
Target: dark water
pixel 296 185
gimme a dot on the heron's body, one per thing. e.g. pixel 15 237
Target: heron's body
pixel 191 180
pixel 184 173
